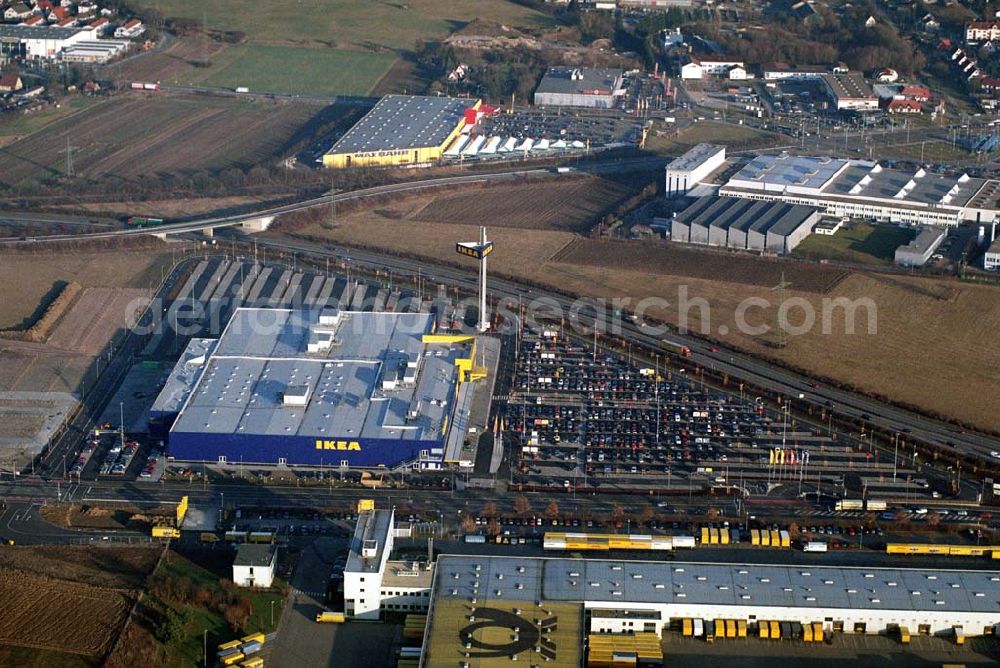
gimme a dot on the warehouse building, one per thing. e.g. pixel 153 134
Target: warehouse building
pixel 865 189
pixel 402 130
pixel 919 251
pixel 687 171
pixel 744 224
pixel 591 87
pixel 20 42
pixel 321 388
pixel 850 92
pixel 525 608
pixel 95 51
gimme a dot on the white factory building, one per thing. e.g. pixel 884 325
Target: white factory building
pixel 687 171
pixel 867 190
pixel 372 583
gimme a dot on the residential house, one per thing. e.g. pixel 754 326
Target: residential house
pixel 10 82
pixel 98 26
pixel 931 24
pixel 918 93
pixel 43 7
pixel 57 14
pixel 737 73
pixel 86 9
pixel 254 565
pixel 132 28
pixel 981 31
pixel 990 84
pixel 17 12
pixel 903 107
pixel 35 20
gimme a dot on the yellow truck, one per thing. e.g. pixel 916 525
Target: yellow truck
pixel 255 662
pixel 775 630
pixel 754 536
pixel 328 617
pixel 904 635
pixel 741 628
pixel 166 532
pixel 254 637
pixel 730 628
pixel 208 537
pixel 232 659
pixel 764 629
pixel 687 627
pixel 705 536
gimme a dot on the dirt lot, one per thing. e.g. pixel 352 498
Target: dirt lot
pixel 71 600
pixel 27 278
pixel 60 364
pixel 571 205
pixel 946 321
pixel 97 315
pixel 665 258
pixel 139 134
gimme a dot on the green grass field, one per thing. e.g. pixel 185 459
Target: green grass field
pixel 862 242
pixel 296 70
pixel 396 25
pixel 188 652
pixel 730 134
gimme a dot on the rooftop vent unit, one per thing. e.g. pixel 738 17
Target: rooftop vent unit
pixel 369 549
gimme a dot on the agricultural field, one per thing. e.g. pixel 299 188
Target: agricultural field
pixel 571 205
pixel 911 313
pixel 857 242
pixel 64 606
pixel 13 126
pixel 309 47
pixel 141 135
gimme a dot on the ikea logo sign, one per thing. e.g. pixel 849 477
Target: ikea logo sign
pixel 338 445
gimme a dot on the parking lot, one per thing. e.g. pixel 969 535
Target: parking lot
pixel 584 418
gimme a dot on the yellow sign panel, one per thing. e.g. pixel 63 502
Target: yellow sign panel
pixel 366 504
pixel 337 445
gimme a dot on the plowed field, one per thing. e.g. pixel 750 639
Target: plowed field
pixel 143 135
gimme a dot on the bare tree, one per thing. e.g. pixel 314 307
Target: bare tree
pixel 794 532
pixel 712 514
pixel 490 510
pixel 552 510
pixel 468 524
pixel 522 506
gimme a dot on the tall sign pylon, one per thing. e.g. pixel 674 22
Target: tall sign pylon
pixel 479 251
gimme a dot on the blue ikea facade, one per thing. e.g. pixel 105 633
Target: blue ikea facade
pixel 296 450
